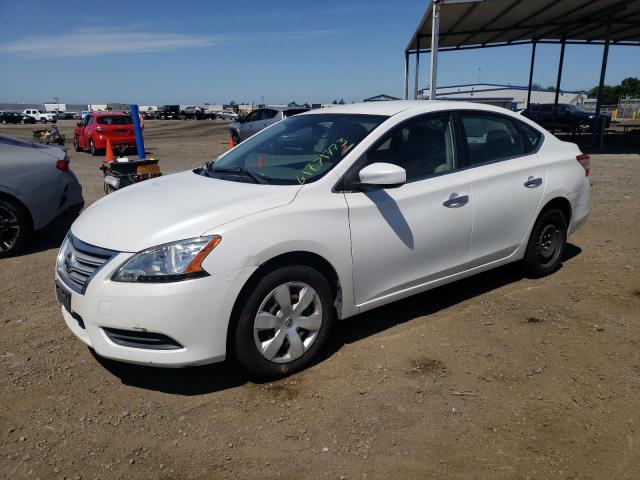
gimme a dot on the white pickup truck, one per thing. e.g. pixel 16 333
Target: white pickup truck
pixel 40 115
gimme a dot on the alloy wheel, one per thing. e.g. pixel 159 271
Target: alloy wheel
pixel 287 322
pixel 9 229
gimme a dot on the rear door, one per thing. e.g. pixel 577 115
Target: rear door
pixel 508 182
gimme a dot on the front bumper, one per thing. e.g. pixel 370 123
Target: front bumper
pixel 194 313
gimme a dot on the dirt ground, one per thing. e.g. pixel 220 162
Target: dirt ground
pixel 496 377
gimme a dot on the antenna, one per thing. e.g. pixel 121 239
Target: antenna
pixel 479 75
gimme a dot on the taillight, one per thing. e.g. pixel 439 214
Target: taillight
pixel 584 160
pixel 63 165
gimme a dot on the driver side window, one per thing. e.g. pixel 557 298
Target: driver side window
pixel 424 146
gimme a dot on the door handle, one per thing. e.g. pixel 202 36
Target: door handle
pixel 533 182
pixel 456 201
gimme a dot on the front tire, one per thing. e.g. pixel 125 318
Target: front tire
pixel 546 244
pixel 285 321
pixel 43 120
pixel 15 227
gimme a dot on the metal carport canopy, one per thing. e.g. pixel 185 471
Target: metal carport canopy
pixel 484 23
pixel 465 24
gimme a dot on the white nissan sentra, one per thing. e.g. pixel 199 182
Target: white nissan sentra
pixel 317 218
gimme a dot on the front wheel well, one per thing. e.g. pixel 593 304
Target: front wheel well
pixel 307 259
pixel 560 203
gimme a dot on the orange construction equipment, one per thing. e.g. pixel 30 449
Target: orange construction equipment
pixel 231 142
pixel 109 152
pixel 261 160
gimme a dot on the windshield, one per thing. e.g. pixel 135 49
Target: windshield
pixel 297 150
pixel 115 120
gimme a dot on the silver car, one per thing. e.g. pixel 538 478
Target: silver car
pixel 259 119
pixel 36 187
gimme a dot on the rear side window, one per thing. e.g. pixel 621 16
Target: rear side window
pixel 532 137
pixel 115 120
pixel 293 111
pixel 423 146
pixel 490 138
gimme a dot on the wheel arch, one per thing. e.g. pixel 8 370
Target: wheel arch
pixel 304 258
pixel 17 201
pixel 562 203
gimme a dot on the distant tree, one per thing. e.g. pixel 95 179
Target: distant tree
pixel 292 104
pixel 536 86
pixel 341 102
pixel 335 102
pixel 611 94
pixel 550 88
pixel 306 105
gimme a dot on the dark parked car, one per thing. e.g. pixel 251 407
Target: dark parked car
pixel 565 117
pixel 14 117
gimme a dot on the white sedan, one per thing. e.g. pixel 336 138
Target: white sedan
pixel 315 219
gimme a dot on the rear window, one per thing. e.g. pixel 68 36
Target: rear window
pixel 115 120
pixel 532 137
pixel 293 111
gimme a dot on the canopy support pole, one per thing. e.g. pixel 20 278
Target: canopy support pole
pixel 533 60
pixel 406 75
pixel 415 93
pixel 435 36
pixel 597 127
pixel 560 65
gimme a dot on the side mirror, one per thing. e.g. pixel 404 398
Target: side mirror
pixel 383 175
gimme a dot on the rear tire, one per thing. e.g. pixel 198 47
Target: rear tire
pixel 76 145
pixel 15 227
pixel 92 148
pixel 299 330
pixel 43 120
pixel 546 244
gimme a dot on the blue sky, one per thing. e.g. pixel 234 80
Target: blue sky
pixel 161 52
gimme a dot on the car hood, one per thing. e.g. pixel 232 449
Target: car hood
pixel 171 208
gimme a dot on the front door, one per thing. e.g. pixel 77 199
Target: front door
pixel 250 124
pixel 407 237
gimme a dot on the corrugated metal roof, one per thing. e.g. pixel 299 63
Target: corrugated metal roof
pixel 496 22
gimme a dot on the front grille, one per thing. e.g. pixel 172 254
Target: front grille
pixel 137 339
pixel 78 262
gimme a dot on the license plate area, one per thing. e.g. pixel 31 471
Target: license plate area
pixel 64 297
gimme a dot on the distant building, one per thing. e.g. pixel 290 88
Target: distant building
pixel 380 98
pixel 513 97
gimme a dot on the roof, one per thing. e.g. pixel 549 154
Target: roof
pixel 479 23
pixel 108 113
pixel 488 87
pixel 394 107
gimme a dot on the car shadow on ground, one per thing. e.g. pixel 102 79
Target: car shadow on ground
pixel 50 236
pixel 221 376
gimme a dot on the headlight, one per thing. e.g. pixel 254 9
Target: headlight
pixel 171 262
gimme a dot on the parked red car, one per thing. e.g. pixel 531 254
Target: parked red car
pixel 94 129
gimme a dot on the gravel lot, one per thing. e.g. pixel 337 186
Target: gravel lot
pixel 492 377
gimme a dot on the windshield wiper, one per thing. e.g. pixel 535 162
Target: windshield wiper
pixel 255 176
